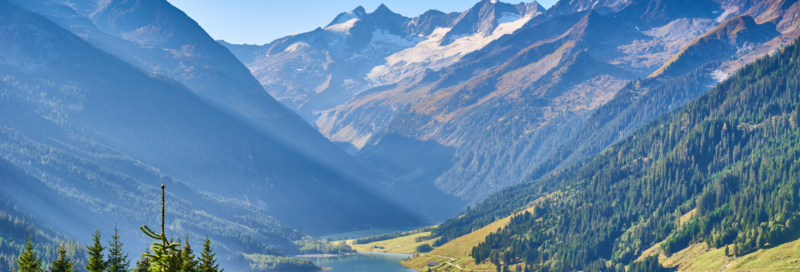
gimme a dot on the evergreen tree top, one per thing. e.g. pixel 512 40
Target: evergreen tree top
pixel 29 260
pixel 95 251
pixel 62 264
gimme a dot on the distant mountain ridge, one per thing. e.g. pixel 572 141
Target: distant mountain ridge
pixel 316 71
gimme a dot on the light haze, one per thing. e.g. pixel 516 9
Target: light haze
pixel 262 21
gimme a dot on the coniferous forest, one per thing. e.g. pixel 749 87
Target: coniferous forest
pixel 730 160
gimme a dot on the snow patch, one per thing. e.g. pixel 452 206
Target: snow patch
pixel 296 46
pixel 343 28
pixel 347 16
pixel 430 54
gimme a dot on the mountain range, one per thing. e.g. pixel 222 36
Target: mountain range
pixel 378 120
pixel 492 93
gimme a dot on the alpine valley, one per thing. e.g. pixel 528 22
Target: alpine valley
pixel 592 135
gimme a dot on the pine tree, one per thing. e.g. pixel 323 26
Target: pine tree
pixel 164 253
pixel 726 251
pixel 143 264
pixel 28 261
pixel 207 262
pixel 95 251
pixel 190 264
pixel 117 258
pixel 62 264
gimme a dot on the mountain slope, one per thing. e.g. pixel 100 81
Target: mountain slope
pixel 738 33
pixel 157 37
pixel 316 71
pixel 633 106
pixel 505 107
pixel 273 147
pixel 694 175
pixel 103 119
pixel 640 102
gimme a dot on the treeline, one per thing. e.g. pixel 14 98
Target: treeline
pixel 15 225
pixel 165 255
pixel 639 102
pixel 389 236
pixel 180 259
pixel 729 162
pixel 260 262
pixel 309 245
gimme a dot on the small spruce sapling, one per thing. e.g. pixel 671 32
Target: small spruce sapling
pixel 62 264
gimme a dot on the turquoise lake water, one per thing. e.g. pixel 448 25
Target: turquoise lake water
pixel 363 262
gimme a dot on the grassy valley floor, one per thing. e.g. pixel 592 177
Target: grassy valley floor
pixel 456 254
pixel 405 244
pixel 699 257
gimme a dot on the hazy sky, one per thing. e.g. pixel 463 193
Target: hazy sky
pixel 262 21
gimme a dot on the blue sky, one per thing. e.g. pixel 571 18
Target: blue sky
pixel 262 21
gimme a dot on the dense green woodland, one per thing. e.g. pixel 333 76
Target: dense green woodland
pixel 731 157
pixel 636 104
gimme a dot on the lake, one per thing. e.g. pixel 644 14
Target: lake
pixel 363 262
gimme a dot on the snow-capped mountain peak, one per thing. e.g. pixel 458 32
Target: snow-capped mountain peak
pixel 346 17
pixel 359 50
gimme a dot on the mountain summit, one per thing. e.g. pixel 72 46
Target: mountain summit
pixel 317 71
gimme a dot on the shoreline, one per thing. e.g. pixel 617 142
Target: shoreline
pixel 322 255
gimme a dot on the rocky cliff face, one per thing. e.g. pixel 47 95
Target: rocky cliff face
pixel 317 71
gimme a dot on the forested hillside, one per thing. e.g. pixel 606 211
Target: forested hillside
pixel 639 102
pixel 16 225
pixel 722 170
